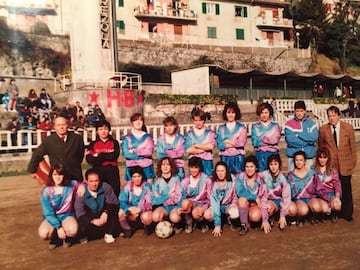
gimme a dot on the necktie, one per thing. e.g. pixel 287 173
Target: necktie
pixel 334 134
pixel 62 138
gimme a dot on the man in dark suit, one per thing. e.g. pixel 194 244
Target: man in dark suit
pixel 62 147
pixel 339 138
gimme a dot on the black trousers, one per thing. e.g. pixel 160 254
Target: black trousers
pixel 347 206
pixel 93 232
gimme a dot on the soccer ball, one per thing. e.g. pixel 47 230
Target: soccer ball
pixel 164 229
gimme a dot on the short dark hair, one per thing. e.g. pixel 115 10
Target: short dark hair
pixel 91 171
pixel 251 159
pixel 103 123
pixel 200 114
pixel 334 109
pixel 264 106
pixel 300 104
pixel 139 170
pixel 171 120
pixel 234 106
pixel 274 157
pixel 195 162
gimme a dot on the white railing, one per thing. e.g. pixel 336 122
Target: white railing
pixel 28 140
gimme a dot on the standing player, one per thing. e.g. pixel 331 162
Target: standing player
pixel 231 138
pixel 252 194
pixel 265 135
pixel 200 142
pixel 103 154
pixel 138 148
pixel 301 134
pixel 171 144
pixel 222 199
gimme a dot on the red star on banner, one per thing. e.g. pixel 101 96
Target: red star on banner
pixel 93 97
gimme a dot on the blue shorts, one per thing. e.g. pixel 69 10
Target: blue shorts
pixel 149 172
pixel 235 163
pixel 277 202
pixel 305 200
pixel 331 194
pixel 262 158
pixel 208 166
pixel 167 208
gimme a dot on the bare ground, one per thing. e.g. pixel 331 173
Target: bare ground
pixel 322 246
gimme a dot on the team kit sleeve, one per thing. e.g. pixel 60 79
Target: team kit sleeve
pixel 48 210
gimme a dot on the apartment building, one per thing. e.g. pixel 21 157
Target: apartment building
pixel 239 23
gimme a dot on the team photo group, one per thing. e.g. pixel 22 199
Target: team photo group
pixel 164 196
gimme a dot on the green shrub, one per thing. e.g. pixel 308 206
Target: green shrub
pixel 162 99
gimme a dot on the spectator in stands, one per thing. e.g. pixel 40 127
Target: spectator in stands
pixel 100 116
pixel 91 118
pixel 81 123
pixel 320 91
pixel 45 98
pixel 87 109
pixel 14 126
pixel 46 126
pixel 24 114
pixel 350 111
pixel 13 92
pixel 43 110
pixel 34 113
pixel 351 92
pixel 67 111
pixel 78 110
pixel 33 99
pixel 337 92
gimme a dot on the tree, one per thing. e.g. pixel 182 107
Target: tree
pixel 309 20
pixel 341 34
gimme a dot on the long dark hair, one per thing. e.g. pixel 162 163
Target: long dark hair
pixel 214 176
pixel 59 168
pixel 323 152
pixel 172 165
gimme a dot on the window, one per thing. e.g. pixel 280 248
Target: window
pixel 120 25
pixel 240 11
pixel 210 8
pixel 211 32
pixel 120 3
pixel 240 34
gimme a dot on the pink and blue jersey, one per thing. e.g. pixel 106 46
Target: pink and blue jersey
pixel 265 139
pixel 128 197
pixel 200 194
pixel 331 182
pixel 221 199
pixel 57 207
pixel 278 189
pixel 301 135
pixel 207 137
pixel 167 194
pixel 175 151
pixel 257 191
pixel 307 187
pixel 233 156
pixel 144 148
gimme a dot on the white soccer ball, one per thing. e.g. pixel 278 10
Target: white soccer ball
pixel 164 229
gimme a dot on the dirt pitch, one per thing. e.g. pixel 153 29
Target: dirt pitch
pixel 322 246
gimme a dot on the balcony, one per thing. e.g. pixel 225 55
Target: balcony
pixel 166 14
pixel 274 23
